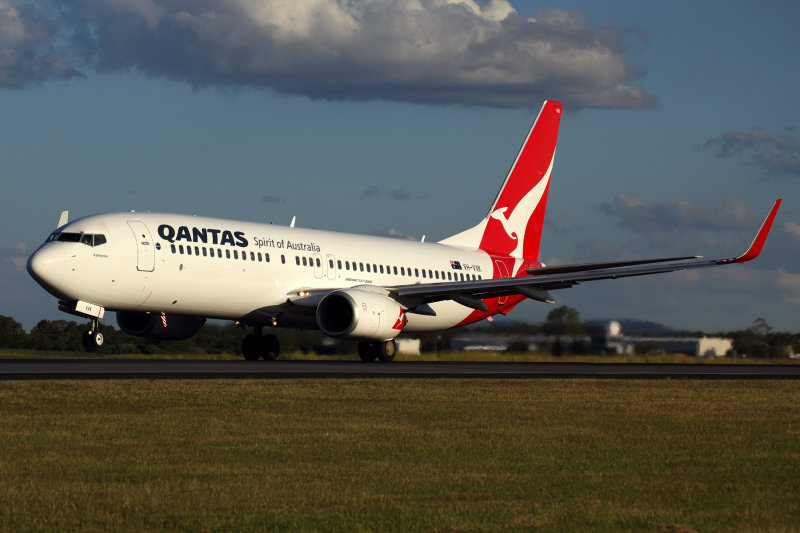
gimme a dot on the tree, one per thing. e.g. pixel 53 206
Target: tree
pixel 564 321
pixel 12 334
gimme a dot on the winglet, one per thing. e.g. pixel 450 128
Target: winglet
pixel 761 237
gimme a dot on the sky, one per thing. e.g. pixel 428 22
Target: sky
pixel 401 118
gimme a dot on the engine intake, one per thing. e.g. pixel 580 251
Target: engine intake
pixel 360 314
pixel 150 325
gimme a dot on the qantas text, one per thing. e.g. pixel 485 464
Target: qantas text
pixel 204 235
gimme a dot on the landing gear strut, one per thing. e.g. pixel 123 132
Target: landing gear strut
pixel 257 346
pixel 93 339
pixel 385 351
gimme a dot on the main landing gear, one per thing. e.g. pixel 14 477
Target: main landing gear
pixel 385 351
pixel 93 339
pixel 257 346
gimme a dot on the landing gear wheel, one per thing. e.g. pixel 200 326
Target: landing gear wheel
pixel 386 350
pixel 255 346
pixel 270 347
pixel 366 351
pixel 93 339
pixel 250 347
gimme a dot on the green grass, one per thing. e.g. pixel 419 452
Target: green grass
pixel 427 356
pixel 392 455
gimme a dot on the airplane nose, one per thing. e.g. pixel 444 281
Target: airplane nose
pixel 47 267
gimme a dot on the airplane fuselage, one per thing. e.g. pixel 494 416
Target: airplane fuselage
pixel 226 269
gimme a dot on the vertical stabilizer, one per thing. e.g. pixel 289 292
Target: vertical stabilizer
pixel 513 225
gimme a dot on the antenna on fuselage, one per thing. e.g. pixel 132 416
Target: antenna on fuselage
pixel 291 224
pixel 63 219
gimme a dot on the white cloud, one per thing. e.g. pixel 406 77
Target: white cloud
pixel 790 283
pixel 642 217
pixel 774 154
pixel 792 228
pixel 422 51
pixel 26 51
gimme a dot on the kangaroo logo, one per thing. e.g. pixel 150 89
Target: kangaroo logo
pixel 516 224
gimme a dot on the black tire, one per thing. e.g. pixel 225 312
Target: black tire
pixel 250 347
pixel 270 347
pixel 386 351
pixel 366 351
pixel 92 340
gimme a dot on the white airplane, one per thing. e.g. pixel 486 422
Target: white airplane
pixel 165 274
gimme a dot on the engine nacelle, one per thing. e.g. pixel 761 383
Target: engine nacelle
pixel 360 314
pixel 150 325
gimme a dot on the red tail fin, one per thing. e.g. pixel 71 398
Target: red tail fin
pixel 514 223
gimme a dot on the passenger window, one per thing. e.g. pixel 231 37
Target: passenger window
pixel 402 271
pixel 339 263
pixel 283 259
pixel 395 270
pixel 297 260
pixel 449 276
pixel 227 254
pixel 423 273
pixel 381 269
pixel 416 272
pixel 189 250
pixel 253 256
pixel 205 252
pixel 181 249
pixel 318 262
pixel 367 267
pixel 305 262
pixel 172 247
pixel 266 257
pixel 259 257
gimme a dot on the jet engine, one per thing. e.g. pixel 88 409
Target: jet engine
pixel 151 325
pixel 360 314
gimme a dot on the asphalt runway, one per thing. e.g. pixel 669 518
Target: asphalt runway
pixel 83 369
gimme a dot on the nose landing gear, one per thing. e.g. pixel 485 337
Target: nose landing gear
pixel 93 338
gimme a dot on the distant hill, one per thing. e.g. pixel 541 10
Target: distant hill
pixel 632 326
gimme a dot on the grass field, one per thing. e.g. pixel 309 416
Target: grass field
pixel 392 455
pixel 426 356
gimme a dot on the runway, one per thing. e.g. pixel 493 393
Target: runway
pixel 126 369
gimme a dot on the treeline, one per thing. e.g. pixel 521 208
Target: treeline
pixel 65 336
pixel 759 340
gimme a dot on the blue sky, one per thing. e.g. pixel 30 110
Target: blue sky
pixel 381 117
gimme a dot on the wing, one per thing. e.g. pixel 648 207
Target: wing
pixel 415 298
pixel 541 280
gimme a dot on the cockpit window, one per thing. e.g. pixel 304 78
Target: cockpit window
pixel 69 237
pixel 91 239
